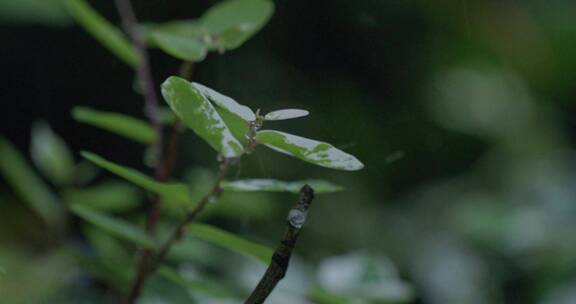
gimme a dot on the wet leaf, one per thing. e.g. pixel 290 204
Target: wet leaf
pixel 230 241
pixel 226 102
pixel 102 30
pixel 197 113
pixel 51 154
pixel 286 114
pixel 114 226
pixel 312 151
pixel 171 192
pixel 272 185
pixel 123 125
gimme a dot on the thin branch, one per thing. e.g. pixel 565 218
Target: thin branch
pixel 149 260
pixel 151 107
pixel 281 257
pixel 192 214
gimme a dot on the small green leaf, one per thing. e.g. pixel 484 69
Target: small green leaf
pixel 286 114
pixel 230 241
pixel 197 113
pixel 103 31
pixel 18 174
pixel 127 126
pixel 233 22
pixel 272 185
pixel 312 151
pixel 171 192
pixel 114 226
pixel 109 196
pixel 51 154
pixel 194 285
pixel 226 102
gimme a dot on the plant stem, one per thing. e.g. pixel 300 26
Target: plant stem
pixel 151 107
pixel 281 257
pixel 151 261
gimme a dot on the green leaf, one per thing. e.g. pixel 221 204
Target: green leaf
pixel 194 285
pixel 127 126
pixel 180 47
pixel 181 39
pixel 286 114
pixel 272 185
pixel 28 185
pixel 238 126
pixel 197 113
pixel 232 22
pixel 109 196
pixel 226 102
pixel 230 241
pixel 51 154
pixel 312 151
pixel 114 226
pixel 171 192
pixel 103 31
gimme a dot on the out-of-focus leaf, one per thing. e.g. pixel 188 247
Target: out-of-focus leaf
pixel 44 12
pixel 181 39
pixel 124 125
pixel 180 47
pixel 230 241
pixel 226 102
pixel 194 285
pixel 28 185
pixel 109 196
pixel 103 31
pixel 172 192
pixel 114 226
pixel 272 185
pixel 312 151
pixel 286 114
pixel 232 22
pixel 51 154
pixel 113 262
pixel 197 113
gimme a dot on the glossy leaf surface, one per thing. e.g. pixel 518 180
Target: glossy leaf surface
pixel 312 151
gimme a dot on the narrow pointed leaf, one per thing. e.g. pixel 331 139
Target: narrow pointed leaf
pixel 230 241
pixel 108 196
pixel 233 22
pixel 272 185
pixel 123 125
pixel 312 151
pixel 28 186
pixel 197 113
pixel 51 154
pixel 226 102
pixel 172 192
pixel 194 285
pixel 286 114
pixel 102 30
pixel 115 226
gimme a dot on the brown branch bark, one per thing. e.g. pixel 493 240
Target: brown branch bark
pixel 281 257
